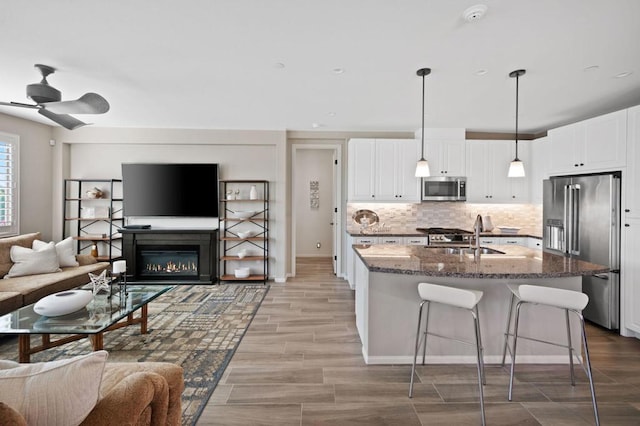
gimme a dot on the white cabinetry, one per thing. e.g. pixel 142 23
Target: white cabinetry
pixel 361 164
pixel 597 144
pixel 537 170
pixel 416 241
pixel 631 175
pixel 533 243
pixel 383 170
pixel 487 168
pixel 630 270
pixel 446 157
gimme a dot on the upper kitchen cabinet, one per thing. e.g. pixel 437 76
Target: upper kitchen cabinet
pixel 361 166
pixel 487 168
pixel 537 170
pixel 631 175
pixel 597 144
pixel 383 170
pixel 446 157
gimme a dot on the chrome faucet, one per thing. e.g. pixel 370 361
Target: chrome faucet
pixel 477 227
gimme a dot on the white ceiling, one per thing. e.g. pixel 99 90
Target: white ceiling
pixel 212 64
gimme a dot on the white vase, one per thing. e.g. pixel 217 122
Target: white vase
pixel 487 225
pixel 253 193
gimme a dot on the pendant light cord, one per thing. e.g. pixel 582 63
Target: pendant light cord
pixel 517 91
pixel 422 133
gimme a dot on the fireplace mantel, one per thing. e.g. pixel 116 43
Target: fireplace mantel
pixel 206 240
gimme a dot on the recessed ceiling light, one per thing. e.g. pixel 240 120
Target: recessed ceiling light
pixel 624 74
pixel 279 65
pixel 591 68
pixel 338 70
pixel 474 13
pixel 481 72
pixel 317 125
pixel 331 114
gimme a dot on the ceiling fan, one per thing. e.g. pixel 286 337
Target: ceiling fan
pixel 48 103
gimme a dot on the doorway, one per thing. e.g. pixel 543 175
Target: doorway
pixel 316 203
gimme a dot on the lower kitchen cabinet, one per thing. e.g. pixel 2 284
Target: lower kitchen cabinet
pixel 629 273
pixel 530 242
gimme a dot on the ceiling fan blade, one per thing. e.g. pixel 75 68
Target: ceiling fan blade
pixel 18 104
pixel 89 103
pixel 64 120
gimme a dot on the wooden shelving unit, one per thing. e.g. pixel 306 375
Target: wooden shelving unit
pixel 256 245
pixel 88 229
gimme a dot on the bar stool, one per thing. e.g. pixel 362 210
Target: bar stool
pixel 567 300
pixel 458 298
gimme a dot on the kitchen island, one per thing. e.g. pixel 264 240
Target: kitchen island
pixel 386 280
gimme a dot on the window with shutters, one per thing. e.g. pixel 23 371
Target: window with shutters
pixel 9 174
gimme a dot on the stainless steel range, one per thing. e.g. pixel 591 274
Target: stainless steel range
pixel 447 236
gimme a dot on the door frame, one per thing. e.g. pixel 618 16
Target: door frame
pixel 337 195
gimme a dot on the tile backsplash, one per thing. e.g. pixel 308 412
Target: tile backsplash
pixel 406 217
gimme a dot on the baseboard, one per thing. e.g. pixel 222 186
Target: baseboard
pixel 464 359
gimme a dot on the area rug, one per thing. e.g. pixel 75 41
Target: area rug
pixel 197 327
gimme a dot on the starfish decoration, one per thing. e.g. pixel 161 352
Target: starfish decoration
pixel 100 282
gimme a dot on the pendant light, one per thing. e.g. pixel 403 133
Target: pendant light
pixel 516 168
pixel 422 168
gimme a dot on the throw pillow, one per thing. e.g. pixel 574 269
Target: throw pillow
pixel 64 249
pixel 24 240
pixel 54 393
pixel 29 262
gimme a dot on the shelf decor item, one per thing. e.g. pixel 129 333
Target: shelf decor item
pixel 253 193
pixel 95 192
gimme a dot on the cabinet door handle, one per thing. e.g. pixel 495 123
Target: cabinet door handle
pixel 627 210
pixel 627 225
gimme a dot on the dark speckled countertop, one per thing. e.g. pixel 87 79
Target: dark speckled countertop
pixel 414 233
pixel 516 262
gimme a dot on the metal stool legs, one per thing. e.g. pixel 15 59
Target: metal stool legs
pixel 415 353
pixel 586 364
pixel 478 345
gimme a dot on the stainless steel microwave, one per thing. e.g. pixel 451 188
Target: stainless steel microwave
pixel 444 188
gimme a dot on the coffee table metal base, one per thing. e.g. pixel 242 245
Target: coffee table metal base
pixel 25 350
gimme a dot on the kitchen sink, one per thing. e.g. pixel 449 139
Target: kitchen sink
pixel 464 250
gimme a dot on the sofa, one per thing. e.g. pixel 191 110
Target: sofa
pixel 18 291
pixel 146 393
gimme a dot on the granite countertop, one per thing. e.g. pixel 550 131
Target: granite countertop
pixel 414 233
pixel 516 262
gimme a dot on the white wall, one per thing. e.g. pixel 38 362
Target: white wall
pixel 99 153
pixel 36 201
pixel 313 225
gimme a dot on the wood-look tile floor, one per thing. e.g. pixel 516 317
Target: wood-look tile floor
pixel 300 363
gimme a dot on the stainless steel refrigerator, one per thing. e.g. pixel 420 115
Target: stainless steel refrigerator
pixel 581 219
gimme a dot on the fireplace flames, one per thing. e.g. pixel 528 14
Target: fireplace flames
pixel 172 267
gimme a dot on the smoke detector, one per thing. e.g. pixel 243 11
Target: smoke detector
pixel 474 13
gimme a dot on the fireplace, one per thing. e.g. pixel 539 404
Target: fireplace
pixel 167 262
pixel 171 255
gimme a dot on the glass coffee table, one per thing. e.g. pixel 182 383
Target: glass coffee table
pixel 102 314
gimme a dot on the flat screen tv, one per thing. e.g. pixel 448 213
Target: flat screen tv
pixel 182 190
